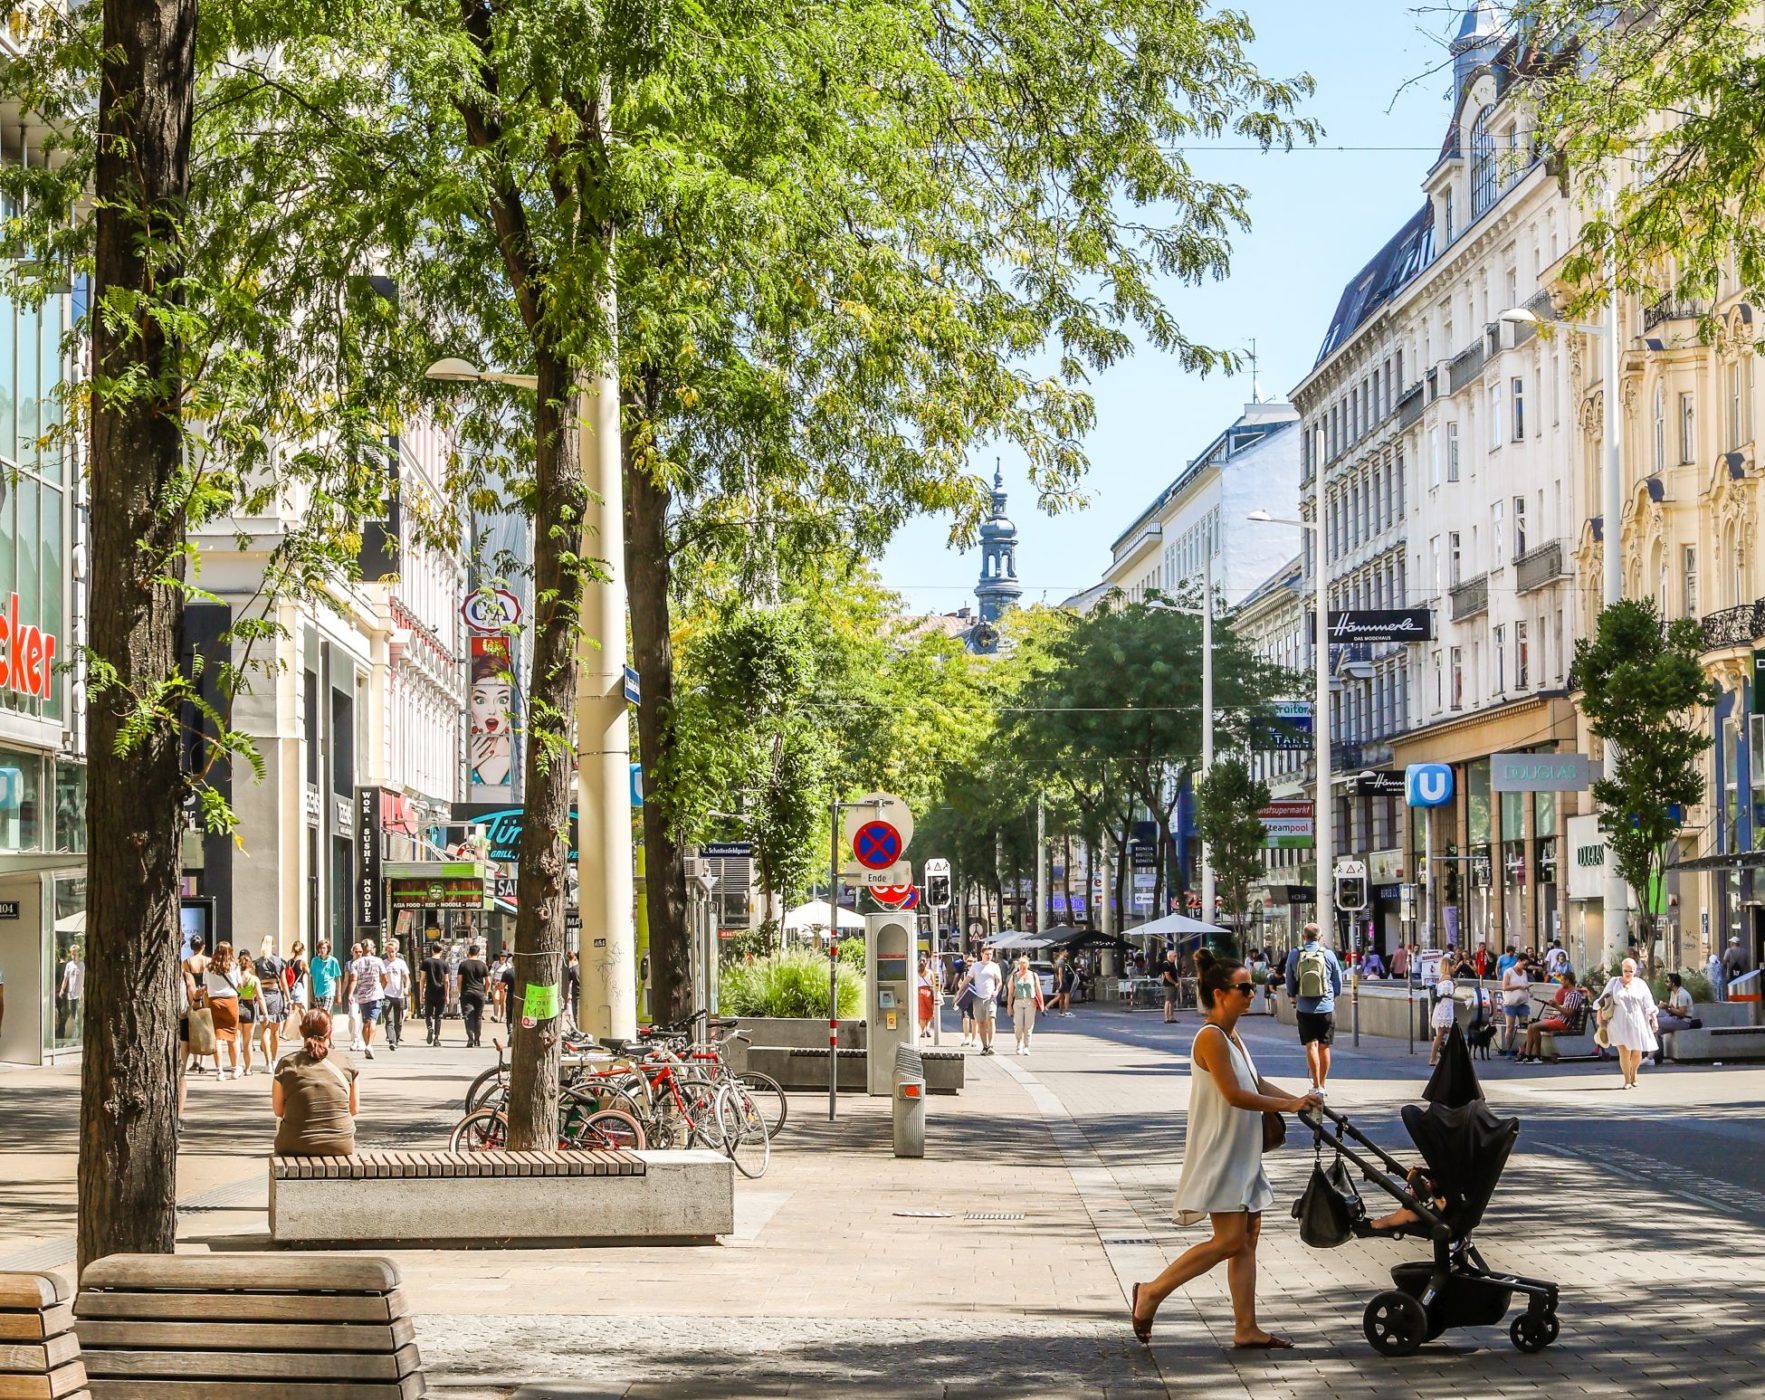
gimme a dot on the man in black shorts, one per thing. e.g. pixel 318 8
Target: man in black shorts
pixel 1314 981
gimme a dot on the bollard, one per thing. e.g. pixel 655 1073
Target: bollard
pixel 907 1102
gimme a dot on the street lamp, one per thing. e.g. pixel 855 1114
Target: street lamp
pixel 1207 881
pixel 603 754
pixel 1322 810
pixel 1617 896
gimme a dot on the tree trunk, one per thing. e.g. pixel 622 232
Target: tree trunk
pixel 128 1080
pixel 560 499
pixel 647 579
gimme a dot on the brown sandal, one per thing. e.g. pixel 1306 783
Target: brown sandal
pixel 1273 1343
pixel 1141 1334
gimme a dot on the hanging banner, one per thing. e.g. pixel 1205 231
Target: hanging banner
pixel 491 711
pixel 370 883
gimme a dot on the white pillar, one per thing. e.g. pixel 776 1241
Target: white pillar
pixel 1615 923
pixel 1207 886
pixel 1323 808
pixel 609 937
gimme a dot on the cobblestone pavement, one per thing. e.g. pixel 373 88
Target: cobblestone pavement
pixel 852 1273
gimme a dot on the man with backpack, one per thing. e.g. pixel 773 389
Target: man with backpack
pixel 1314 981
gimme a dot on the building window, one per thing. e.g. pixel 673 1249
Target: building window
pixel 1439 682
pixel 1446 219
pixel 1688 570
pixel 1522 658
pixel 1734 406
pixel 1452 451
pixel 1454 559
pixel 1518 386
pixel 1557 642
pixel 1519 526
pixel 1482 164
pixel 1501 659
pixel 1457 655
pixel 1660 428
pixel 1494 416
pixel 1687 429
pixel 1496 535
pixel 1434 455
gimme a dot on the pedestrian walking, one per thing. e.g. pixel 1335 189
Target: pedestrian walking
pixel 433 974
pixel 1734 963
pixel 1400 962
pixel 1026 1001
pixel 398 990
pixel 1314 981
pixel 272 994
pixel 1627 1009
pixel 1172 983
pixel 1445 1013
pixel 923 990
pixel 1713 970
pixel 984 980
pixel 367 994
pixel 573 988
pixel 323 975
pixel 315 1096
pixel 69 995
pixel 346 996
pixel 250 1012
pixel 965 1005
pixel 221 986
pixel 474 987
pixel 1516 1003
pixel 190 1053
pixel 1066 979
pixel 1222 1177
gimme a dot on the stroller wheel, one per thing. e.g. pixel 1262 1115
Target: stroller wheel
pixel 1395 1323
pixel 1534 1331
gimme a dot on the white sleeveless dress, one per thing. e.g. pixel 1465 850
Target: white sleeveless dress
pixel 1222 1151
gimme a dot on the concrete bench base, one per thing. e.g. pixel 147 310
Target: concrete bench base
pixel 1568 1047
pixel 680 1197
pixel 1715 1043
pixel 805 1070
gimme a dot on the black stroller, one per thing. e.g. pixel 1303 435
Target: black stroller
pixel 1464 1147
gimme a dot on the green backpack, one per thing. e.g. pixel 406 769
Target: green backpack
pixel 1314 973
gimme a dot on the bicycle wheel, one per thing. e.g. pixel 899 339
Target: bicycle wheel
pixel 745 1137
pixel 766 1092
pixel 484 1087
pixel 704 1128
pixel 483 1131
pixel 607 1130
pixel 604 1093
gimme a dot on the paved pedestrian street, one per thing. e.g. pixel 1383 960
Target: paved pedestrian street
pixel 999 1264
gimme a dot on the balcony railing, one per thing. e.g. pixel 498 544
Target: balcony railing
pixel 1734 627
pixel 1470 598
pixel 1409 407
pixel 1537 567
pixel 1466 366
pixel 1668 309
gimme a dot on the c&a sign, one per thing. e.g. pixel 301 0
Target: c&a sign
pixel 27 655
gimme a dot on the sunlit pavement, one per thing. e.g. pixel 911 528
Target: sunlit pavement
pixel 854 1273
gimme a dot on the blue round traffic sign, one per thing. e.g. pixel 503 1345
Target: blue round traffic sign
pixel 877 845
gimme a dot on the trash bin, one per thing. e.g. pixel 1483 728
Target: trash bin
pixel 907 1100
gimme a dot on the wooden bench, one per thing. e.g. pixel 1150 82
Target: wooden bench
pixel 238 1327
pixel 423 1199
pixel 1575 1043
pixel 39 1352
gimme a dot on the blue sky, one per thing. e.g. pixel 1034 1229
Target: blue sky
pixel 1317 217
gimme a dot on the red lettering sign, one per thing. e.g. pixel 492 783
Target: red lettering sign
pixel 27 655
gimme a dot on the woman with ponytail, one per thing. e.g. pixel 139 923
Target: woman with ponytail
pixel 1223 1179
pixel 314 1095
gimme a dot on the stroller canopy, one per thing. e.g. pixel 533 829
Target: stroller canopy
pixel 1466 1149
pixel 1454 1082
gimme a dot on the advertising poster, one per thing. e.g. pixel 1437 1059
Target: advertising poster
pixel 491 713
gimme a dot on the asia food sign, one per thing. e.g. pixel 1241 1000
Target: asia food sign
pixel 435 885
pixel 27 655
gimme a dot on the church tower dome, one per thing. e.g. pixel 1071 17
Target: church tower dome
pixel 998 589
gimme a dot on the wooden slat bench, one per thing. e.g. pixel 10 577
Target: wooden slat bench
pixel 39 1353
pixel 232 1327
pixel 425 1199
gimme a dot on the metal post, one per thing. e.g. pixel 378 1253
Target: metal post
pixel 1041 863
pixel 1323 813
pixel 1207 882
pixel 936 968
pixel 1354 978
pixel 1616 895
pixel 833 963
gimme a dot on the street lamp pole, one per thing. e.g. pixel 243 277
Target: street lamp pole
pixel 1207 880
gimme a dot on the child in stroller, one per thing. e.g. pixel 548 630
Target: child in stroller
pixel 1464 1149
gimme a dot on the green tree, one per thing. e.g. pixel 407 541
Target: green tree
pixel 1642 688
pixel 1656 114
pixel 1229 804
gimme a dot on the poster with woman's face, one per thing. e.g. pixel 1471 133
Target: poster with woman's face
pixel 491 710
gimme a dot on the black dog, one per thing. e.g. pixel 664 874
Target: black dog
pixel 1478 1037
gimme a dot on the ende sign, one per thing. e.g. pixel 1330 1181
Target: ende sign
pixel 27 655
pixel 1377 625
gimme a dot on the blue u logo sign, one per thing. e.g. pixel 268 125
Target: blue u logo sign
pixel 1427 784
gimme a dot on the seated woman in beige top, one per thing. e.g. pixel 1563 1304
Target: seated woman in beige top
pixel 314 1095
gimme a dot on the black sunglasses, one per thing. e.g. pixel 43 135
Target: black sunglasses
pixel 1246 987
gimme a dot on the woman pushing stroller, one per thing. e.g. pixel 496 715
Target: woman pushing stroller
pixel 1223 1179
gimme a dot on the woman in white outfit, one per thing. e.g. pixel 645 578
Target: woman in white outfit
pixel 1223 1180
pixel 1631 1022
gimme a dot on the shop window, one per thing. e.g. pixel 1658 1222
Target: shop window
pixel 21 801
pixel 70 807
pixel 67 968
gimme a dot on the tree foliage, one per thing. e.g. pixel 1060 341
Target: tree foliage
pixel 1642 687
pixel 1229 804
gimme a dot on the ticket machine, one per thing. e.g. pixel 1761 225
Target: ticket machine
pixel 891 994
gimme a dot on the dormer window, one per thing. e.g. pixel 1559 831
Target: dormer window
pixel 1482 165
